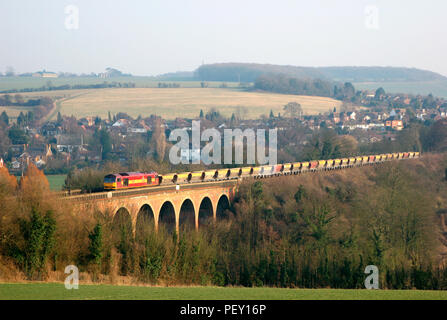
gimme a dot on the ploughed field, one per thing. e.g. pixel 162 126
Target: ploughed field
pixel 49 291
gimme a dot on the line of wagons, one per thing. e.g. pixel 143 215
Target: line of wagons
pixel 127 180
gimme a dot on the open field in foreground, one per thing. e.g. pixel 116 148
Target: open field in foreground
pixel 180 102
pixel 21 291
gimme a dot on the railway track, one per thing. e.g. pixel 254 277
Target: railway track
pixel 234 176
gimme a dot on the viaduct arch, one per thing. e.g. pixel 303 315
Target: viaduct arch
pixel 171 211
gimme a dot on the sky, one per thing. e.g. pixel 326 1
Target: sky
pixel 158 36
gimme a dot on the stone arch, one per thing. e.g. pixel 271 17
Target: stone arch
pixel 145 222
pixel 187 215
pixel 167 217
pixel 222 205
pixel 122 218
pixel 206 211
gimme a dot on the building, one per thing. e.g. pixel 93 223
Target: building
pixel 395 124
pixel 44 74
pixel 69 143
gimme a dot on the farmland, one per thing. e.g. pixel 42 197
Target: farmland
pixel 52 291
pixel 18 83
pixel 187 102
pixel 437 88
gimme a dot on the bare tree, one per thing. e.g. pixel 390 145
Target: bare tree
pixel 158 140
pixel 293 109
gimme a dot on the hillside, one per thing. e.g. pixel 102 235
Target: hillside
pixel 248 72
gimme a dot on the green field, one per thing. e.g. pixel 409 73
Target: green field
pixel 187 102
pixel 56 181
pixel 437 88
pixel 10 83
pixel 51 291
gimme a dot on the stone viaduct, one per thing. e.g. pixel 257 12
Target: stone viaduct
pixel 172 206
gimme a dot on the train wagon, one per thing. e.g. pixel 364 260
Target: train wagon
pixel 127 180
pixel 337 163
pixel 322 164
pixel 246 171
pixel 296 166
pixel 313 165
pixel 304 165
pixel 287 168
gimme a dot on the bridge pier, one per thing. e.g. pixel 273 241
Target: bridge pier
pixel 200 203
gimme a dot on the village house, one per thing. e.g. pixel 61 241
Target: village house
pixel 69 143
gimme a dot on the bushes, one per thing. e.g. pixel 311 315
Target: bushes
pixel 309 231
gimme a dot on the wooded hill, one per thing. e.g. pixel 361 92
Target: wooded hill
pixel 249 72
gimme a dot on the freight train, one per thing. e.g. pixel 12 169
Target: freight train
pixel 128 180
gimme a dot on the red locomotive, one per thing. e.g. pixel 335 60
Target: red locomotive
pixel 127 180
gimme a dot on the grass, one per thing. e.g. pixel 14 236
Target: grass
pixel 437 88
pixel 10 83
pixel 56 181
pixel 187 102
pixel 171 102
pixel 52 291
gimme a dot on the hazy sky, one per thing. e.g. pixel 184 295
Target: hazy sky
pixel 157 36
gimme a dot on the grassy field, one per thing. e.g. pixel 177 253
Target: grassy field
pixel 56 181
pixel 9 83
pixel 172 102
pixel 50 291
pixel 437 88
pixel 181 102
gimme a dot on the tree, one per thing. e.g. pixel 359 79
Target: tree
pixel 348 90
pixel 4 117
pixel 59 118
pixel 106 143
pixel 380 93
pixel 4 142
pixel 271 116
pixel 158 140
pixel 293 109
pixel 21 119
pixel 38 233
pixel 96 245
pixel 17 135
pixel 201 114
pixel 29 117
